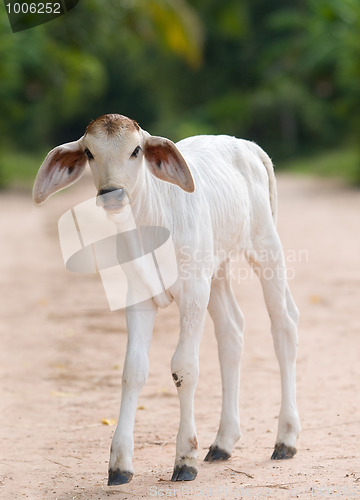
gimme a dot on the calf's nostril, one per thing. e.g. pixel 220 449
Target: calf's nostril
pixel 106 191
pixel 110 195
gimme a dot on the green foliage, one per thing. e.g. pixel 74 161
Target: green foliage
pixel 179 29
pixel 339 163
pixel 18 168
pixel 285 74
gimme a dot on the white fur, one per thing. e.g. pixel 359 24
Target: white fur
pixel 233 208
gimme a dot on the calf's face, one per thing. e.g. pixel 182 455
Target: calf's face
pixel 113 149
pixel 117 151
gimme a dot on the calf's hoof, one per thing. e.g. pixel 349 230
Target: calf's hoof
pixel 282 452
pixel 216 453
pixel 118 476
pixel 184 473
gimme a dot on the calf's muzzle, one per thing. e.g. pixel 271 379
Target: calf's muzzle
pixel 112 198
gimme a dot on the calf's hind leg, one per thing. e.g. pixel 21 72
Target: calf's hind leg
pixel 284 318
pixel 229 324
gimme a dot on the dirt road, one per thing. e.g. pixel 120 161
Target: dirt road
pixel 62 352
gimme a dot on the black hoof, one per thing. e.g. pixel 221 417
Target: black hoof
pixel 184 473
pixel 119 477
pixel 282 452
pixel 216 453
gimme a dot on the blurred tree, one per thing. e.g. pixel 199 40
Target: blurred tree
pixel 283 74
pixel 59 73
pixel 318 52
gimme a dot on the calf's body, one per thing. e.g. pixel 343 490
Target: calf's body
pixel 217 196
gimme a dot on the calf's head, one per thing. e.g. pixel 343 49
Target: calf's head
pixel 117 151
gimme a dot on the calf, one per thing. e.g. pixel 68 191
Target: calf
pixel 219 196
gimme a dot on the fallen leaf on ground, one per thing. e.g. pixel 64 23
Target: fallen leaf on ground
pixel 108 421
pixel 315 299
pixel 60 394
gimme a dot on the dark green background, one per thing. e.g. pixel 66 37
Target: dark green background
pixel 283 73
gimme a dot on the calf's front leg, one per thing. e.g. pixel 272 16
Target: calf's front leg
pixel 140 321
pixel 185 371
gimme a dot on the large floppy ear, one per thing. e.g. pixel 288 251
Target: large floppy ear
pixel 165 161
pixel 63 166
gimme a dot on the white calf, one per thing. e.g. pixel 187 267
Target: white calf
pixel 220 196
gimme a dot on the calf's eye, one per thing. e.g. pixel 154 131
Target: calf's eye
pixel 88 154
pixel 136 152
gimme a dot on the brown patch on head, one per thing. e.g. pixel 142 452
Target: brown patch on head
pixel 112 124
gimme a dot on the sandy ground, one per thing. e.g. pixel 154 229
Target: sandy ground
pixel 62 352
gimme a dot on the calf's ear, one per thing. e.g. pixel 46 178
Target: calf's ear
pixel 165 162
pixel 63 166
